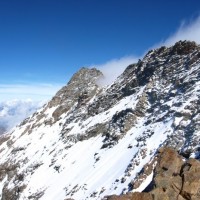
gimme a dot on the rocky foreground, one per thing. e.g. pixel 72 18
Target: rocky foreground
pixel 175 178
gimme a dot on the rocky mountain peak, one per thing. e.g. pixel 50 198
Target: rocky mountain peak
pixel 81 88
pixel 89 142
pixel 85 75
pixel 180 48
pixel 184 47
pixel 80 81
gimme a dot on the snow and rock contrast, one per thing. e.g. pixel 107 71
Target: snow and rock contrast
pixel 175 178
pixel 89 141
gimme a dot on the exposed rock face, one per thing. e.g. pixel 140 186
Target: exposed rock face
pixel 89 142
pixel 80 89
pixel 174 179
pixel 168 180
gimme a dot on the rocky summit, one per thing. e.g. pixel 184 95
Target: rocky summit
pixel 90 142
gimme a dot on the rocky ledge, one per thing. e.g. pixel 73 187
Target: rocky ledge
pixel 175 178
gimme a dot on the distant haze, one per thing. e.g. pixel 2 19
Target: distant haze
pixel 36 92
pixel 15 111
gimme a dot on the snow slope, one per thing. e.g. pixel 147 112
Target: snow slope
pixel 89 142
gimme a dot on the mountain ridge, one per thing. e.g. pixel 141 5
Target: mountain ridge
pixel 89 141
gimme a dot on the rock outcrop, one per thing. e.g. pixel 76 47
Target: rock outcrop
pixel 80 89
pixel 175 178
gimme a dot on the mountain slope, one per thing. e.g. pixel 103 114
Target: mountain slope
pixel 88 141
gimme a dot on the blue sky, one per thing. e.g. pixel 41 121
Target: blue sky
pixel 42 43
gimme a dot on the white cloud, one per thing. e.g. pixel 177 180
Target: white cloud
pixel 13 112
pixel 28 91
pixel 18 101
pixel 112 69
pixel 186 31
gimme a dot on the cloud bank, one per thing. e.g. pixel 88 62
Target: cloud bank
pixel 14 111
pixel 112 69
pixel 187 31
pixel 18 101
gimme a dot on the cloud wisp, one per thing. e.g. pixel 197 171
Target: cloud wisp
pixel 187 31
pixel 112 69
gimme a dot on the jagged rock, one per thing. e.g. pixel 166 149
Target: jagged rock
pixel 191 177
pixel 183 47
pixel 80 89
pixel 87 132
pixel 167 180
pixel 169 162
pixel 174 179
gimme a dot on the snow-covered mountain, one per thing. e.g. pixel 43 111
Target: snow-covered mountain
pixel 89 142
pixel 14 111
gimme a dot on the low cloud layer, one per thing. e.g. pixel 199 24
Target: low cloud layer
pixel 14 111
pixel 19 101
pixel 28 91
pixel 187 31
pixel 112 69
